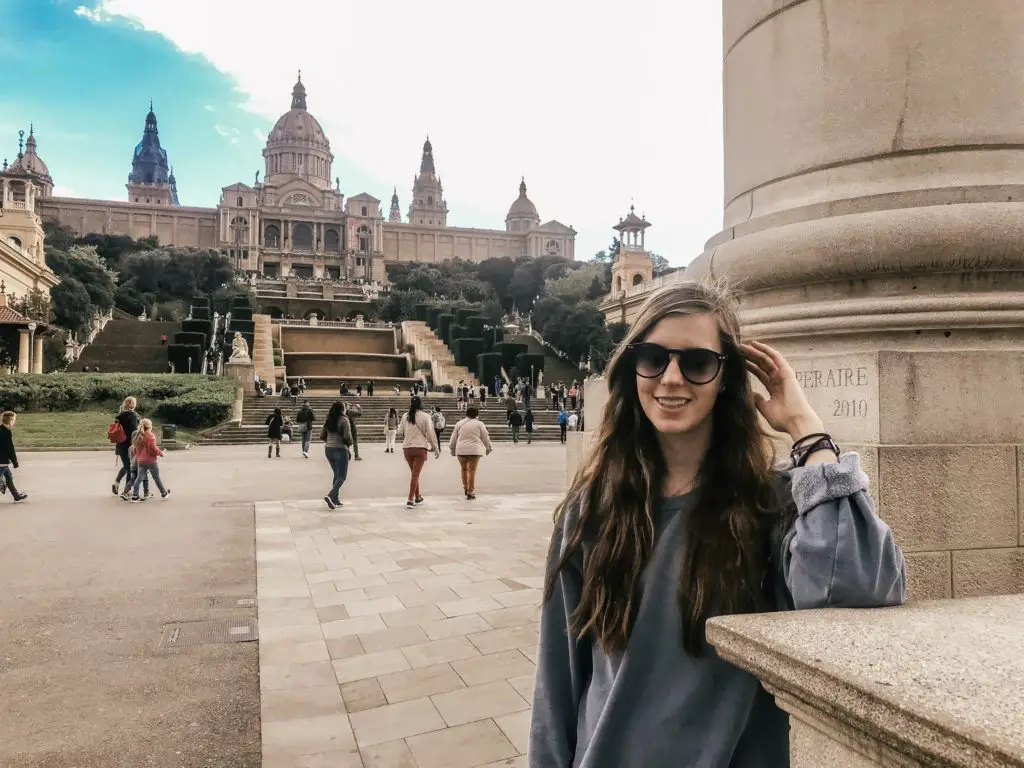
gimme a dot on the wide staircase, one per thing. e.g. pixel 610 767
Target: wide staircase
pixel 556 369
pixel 429 348
pixel 328 355
pixel 129 346
pixel 370 425
pixel 263 348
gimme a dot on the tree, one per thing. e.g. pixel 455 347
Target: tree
pixel 492 312
pixel 661 265
pixel 581 332
pixel 547 313
pixel 57 235
pixel 72 307
pixel 84 264
pixel 498 274
pixel 578 284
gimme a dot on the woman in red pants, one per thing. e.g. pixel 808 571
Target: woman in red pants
pixel 416 432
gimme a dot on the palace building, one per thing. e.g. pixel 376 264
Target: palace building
pixel 297 220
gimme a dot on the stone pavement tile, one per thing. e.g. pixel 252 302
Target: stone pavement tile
pixel 512 762
pixel 288 618
pixel 390 754
pixel 392 638
pixel 409 616
pixel 345 627
pixel 284 590
pixel 284 603
pixel 427 597
pixel 492 667
pixel 455 627
pixel 439 651
pixel 504 639
pixel 416 683
pixel 308 735
pixel 484 588
pixel 524 685
pixel 292 652
pixel 344 647
pixel 307 675
pixel 512 617
pixel 332 613
pixel 465 746
pixel 399 589
pixel 300 633
pixel 395 721
pixel 358 582
pixel 450 580
pixel 325 576
pixel 369 665
pixel 362 694
pixel 516 728
pixel 533 582
pixel 478 702
pixel 530 652
pixel 471 605
pixel 531 597
pixel 293 703
pixel 370 607
pixel 414 574
pixel 347 758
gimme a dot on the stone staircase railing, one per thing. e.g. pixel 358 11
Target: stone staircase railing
pixel 428 348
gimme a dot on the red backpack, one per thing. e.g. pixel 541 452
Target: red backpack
pixel 115 433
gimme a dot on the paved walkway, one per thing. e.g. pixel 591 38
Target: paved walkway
pixel 399 638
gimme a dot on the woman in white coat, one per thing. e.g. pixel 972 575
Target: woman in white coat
pixel 469 443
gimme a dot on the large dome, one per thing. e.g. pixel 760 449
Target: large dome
pixel 29 161
pixel 298 125
pixel 523 207
pixel 297 146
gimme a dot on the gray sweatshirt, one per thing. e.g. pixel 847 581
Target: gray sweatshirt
pixel 654 706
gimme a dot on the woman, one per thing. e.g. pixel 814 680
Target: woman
pixel 528 425
pixel 678 516
pixel 417 433
pixel 147 454
pixel 128 420
pixel 469 442
pixel 8 456
pixel 275 423
pixel 390 430
pixel 337 436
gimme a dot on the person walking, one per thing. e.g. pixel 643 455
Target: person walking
pixel 128 421
pixel 369 389
pixel 390 430
pixel 528 425
pixel 572 423
pixel 483 396
pixel 354 412
pixel 417 433
pixel 469 442
pixel 439 422
pixel 305 418
pixel 8 456
pixel 337 436
pixel 275 423
pixel 563 423
pixel 515 420
pixel 679 514
pixel 147 454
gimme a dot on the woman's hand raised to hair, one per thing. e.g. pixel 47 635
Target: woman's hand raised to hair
pixel 786 408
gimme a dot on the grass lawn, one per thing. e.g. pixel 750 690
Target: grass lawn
pixel 72 429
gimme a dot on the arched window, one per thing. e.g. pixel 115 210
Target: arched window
pixel 16 242
pixel 637 279
pixel 365 239
pixel 552 247
pixel 272 236
pixel 18 191
pixel 430 199
pixel 239 203
pixel 364 210
pixel 302 237
pixel 331 240
pixel 239 230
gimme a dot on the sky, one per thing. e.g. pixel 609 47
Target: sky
pixel 599 105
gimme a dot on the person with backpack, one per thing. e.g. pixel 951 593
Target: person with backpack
pixel 528 424
pixel 275 423
pixel 439 422
pixel 8 456
pixel 147 454
pixel 563 423
pixel 304 418
pixel 515 420
pixel 125 424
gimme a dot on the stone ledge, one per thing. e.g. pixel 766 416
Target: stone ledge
pixel 936 682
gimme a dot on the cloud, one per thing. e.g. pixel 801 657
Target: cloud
pixel 597 104
pixel 221 130
pixel 210 108
pixel 59 191
pixel 95 15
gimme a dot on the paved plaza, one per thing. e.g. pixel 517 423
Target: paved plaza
pixel 388 636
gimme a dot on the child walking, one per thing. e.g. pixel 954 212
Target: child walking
pixel 147 454
pixel 275 427
pixel 8 456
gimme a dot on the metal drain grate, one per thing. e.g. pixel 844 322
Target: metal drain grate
pixel 209 632
pixel 227 602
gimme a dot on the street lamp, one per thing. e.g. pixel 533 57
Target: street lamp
pixel 31 345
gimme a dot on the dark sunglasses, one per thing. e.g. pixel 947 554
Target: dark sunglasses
pixel 698 366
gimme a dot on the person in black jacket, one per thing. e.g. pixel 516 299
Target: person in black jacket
pixel 275 422
pixel 129 421
pixel 8 456
pixel 515 420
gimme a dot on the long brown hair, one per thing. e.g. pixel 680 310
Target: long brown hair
pixel 726 550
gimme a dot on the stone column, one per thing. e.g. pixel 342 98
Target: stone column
pixel 874 212
pixel 37 354
pixel 24 350
pixel 595 398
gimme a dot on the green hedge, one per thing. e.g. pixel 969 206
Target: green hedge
pixel 189 401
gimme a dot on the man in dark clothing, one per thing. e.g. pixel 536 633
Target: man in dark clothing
pixel 274 422
pixel 528 423
pixel 304 417
pixel 515 420
pixel 369 389
pixel 354 412
pixel 129 421
pixel 8 456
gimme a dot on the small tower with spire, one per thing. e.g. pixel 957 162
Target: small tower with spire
pixel 151 180
pixel 428 206
pixel 395 216
pixel 29 164
pixel 632 265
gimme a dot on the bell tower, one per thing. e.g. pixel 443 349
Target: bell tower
pixel 632 265
pixel 428 207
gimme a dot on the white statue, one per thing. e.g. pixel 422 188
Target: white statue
pixel 239 348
